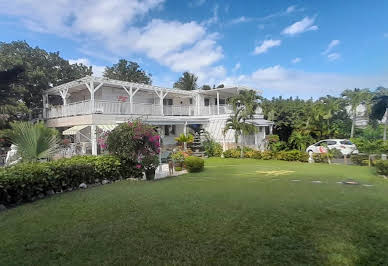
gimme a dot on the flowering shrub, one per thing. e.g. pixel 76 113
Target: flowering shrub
pixel 136 144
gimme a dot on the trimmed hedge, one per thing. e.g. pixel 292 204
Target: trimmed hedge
pixel 293 155
pixel 194 164
pixel 26 182
pixel 232 153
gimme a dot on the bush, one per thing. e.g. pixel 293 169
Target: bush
pixel 359 159
pixel 27 181
pixel 178 157
pixel 178 168
pixel 294 155
pixel 232 153
pixel 194 164
pixel 253 154
pixel 135 143
pixel 212 148
pixel 267 155
pixel 321 157
pixel 382 167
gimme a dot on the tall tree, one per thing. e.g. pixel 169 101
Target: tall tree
pixel 187 82
pixel 244 107
pixel 42 70
pixel 127 71
pixel 379 109
pixel 10 106
pixel 354 98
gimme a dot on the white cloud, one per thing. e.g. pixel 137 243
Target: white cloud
pixel 196 3
pixel 296 60
pixel 239 20
pixel 236 67
pixel 333 56
pixel 306 24
pixel 203 54
pixel 111 28
pixel 290 9
pixel 97 70
pixel 214 18
pixel 159 37
pixel 265 45
pixel 331 45
pixel 276 81
pixel 385 35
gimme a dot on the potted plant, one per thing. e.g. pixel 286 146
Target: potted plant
pixel 150 163
pixel 178 158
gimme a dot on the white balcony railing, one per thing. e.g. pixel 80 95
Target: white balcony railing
pixel 117 108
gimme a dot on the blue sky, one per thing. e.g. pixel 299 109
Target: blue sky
pixel 288 48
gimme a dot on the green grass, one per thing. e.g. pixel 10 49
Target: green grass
pixel 229 214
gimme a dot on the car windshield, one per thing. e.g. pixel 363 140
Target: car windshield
pixel 346 142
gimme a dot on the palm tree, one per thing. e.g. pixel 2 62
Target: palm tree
pixel 299 140
pixel 34 141
pixel 234 122
pixel 244 106
pixel 354 98
pixel 379 111
pixel 187 82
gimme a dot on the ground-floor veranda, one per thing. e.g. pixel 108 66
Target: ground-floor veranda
pixel 83 132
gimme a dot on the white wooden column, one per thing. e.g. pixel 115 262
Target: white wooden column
pixel 185 132
pixel 45 105
pixel 161 96
pixel 63 94
pixel 93 137
pixel 90 87
pixel 198 104
pixel 270 129
pixel 92 91
pixel 218 103
pixel 131 93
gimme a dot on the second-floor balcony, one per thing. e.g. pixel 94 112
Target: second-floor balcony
pixel 124 108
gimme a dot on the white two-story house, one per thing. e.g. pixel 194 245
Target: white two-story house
pixel 92 105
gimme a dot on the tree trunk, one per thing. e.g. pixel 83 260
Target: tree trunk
pixel 242 147
pixel 353 124
pixel 369 164
pixel 385 126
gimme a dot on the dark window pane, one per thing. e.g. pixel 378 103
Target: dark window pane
pixel 166 130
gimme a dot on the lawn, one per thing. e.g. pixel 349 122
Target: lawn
pixel 235 212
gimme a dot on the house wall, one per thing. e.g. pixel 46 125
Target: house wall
pixel 215 129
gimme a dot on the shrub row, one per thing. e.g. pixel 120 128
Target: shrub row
pixel 293 155
pixel 25 182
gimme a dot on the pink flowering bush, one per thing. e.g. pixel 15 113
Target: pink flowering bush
pixel 136 144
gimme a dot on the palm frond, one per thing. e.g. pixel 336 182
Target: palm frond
pixel 34 141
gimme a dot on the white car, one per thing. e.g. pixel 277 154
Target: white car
pixel 344 145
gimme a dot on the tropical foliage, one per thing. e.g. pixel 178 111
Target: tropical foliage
pixel 29 181
pixel 34 141
pixel 127 71
pixel 354 98
pixel 187 82
pixel 244 107
pixel 136 144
